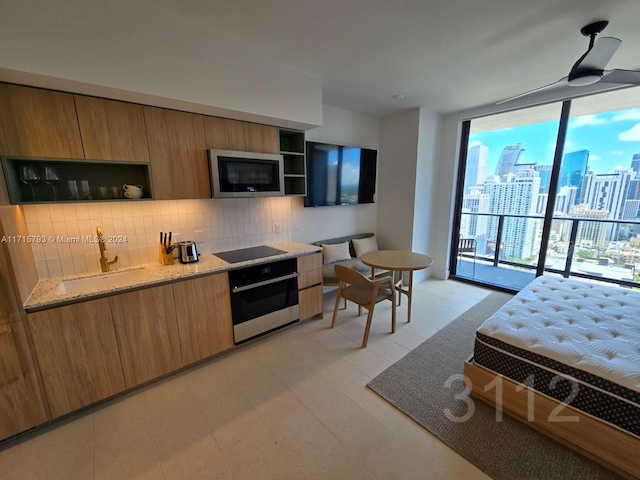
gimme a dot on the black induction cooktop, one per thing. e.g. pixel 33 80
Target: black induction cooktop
pixel 246 254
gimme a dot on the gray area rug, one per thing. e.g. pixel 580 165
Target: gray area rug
pixel 503 450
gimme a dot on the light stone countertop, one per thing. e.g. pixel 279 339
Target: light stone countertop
pixel 45 295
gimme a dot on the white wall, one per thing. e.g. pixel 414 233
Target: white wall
pixel 408 183
pixel 161 61
pixel 399 135
pixel 426 197
pixel 341 127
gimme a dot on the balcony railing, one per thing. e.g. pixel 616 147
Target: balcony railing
pixel 596 244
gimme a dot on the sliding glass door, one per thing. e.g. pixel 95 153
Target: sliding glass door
pixel 506 183
pixel 511 170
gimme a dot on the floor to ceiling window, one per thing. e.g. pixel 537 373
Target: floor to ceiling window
pixel 593 229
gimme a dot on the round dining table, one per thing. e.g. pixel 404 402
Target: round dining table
pixel 398 261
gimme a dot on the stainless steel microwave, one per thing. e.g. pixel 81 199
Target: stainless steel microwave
pixel 246 174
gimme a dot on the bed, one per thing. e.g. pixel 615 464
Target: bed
pixel 564 356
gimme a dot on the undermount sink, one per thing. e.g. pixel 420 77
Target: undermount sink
pixel 104 281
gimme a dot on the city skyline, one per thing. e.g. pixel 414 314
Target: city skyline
pixel 612 138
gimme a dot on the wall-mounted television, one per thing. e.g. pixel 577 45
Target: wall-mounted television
pixel 338 175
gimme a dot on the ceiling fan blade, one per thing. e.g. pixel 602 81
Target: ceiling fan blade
pixel 624 77
pixel 560 83
pixel 598 57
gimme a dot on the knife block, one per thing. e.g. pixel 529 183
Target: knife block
pixel 163 257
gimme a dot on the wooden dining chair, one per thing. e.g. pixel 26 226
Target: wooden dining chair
pixel 365 293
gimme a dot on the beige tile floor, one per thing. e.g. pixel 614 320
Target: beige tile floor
pixel 291 405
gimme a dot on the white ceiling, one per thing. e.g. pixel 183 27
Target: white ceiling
pixel 445 55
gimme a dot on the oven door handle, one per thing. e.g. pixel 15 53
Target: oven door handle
pixel 263 283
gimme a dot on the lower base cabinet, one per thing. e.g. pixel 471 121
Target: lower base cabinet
pixel 310 285
pixel 21 404
pixel 203 313
pixel 310 300
pixel 147 332
pixel 77 353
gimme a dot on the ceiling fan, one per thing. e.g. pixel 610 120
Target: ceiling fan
pixel 590 67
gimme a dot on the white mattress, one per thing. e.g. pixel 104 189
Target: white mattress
pixel 587 326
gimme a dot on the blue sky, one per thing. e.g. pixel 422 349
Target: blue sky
pixel 612 139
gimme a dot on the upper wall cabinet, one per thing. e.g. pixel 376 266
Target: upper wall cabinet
pixel 177 153
pixel 112 130
pixel 224 134
pixel 38 123
pixel 261 138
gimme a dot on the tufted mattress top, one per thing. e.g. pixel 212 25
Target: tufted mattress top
pixel 590 327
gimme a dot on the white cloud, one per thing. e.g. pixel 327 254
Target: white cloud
pixel 586 120
pixel 631 135
pixel 594 157
pixel 631 114
pixel 618 152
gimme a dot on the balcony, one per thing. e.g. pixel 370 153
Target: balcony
pixel 598 250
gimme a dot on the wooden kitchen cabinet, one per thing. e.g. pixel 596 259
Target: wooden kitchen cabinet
pixel 145 322
pixel 203 312
pixel 177 153
pixel 310 286
pixel 38 123
pixel 112 130
pixel 77 353
pixel 21 403
pixel 224 134
pixel 261 138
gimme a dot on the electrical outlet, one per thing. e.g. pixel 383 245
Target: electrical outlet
pixel 277 227
pixel 296 226
pixel 197 236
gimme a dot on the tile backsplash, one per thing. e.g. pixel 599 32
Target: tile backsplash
pixel 224 224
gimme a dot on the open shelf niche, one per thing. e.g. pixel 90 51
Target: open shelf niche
pixel 41 180
pixel 292 151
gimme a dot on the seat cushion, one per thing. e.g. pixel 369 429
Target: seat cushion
pixel 362 295
pixel 329 271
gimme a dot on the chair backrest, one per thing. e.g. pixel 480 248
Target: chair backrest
pixel 467 245
pixel 352 276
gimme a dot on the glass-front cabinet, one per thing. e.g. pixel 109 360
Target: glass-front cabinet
pixel 39 180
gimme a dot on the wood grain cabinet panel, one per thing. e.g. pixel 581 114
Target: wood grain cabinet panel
pixel 310 300
pixel 112 130
pixel 224 134
pixel 309 270
pixel 21 404
pixel 261 138
pixel 203 312
pixel 177 153
pixel 310 285
pixel 38 123
pixel 77 352
pixel 147 333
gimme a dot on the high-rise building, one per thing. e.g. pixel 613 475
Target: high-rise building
pixel 474 226
pixel 608 191
pixel 566 198
pixel 573 169
pixel 635 164
pixel 590 234
pixel 508 158
pixel 476 166
pixel 544 171
pixel 516 194
pixel 634 190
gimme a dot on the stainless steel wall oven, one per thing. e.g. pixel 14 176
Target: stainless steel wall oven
pixel 263 298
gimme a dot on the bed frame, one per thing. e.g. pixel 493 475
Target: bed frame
pixel 607 445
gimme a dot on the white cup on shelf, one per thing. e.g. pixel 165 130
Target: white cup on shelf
pixel 132 191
